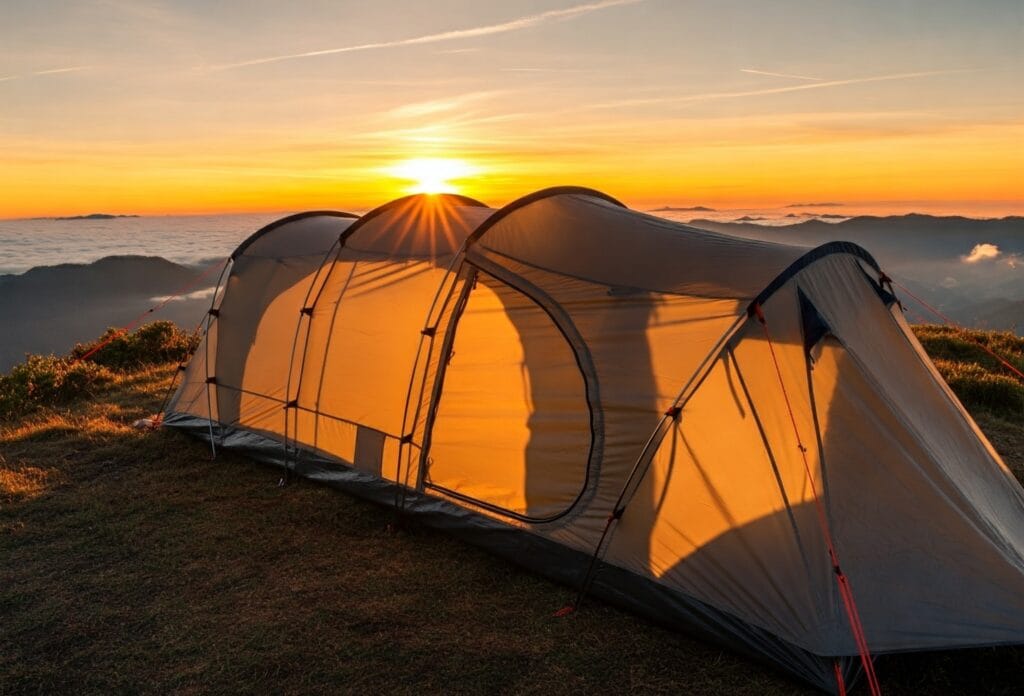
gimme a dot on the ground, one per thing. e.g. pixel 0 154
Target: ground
pixel 132 563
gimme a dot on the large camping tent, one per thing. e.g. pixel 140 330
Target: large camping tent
pixel 720 421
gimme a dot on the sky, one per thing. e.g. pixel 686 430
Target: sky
pixel 197 106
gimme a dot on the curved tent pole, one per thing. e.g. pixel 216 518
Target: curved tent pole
pixel 248 241
pixel 646 453
pixel 308 309
pixel 295 342
pixel 427 334
pixel 446 353
pixel 381 209
pixel 643 461
pixel 526 200
pixel 210 315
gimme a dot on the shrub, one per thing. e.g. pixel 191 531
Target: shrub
pixel 153 344
pixel 48 381
pixel 977 378
pixel 961 345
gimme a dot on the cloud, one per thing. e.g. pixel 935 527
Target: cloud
pixel 517 24
pixel 52 71
pixel 437 106
pixel 710 96
pixel 194 295
pixel 982 252
pixel 825 204
pixel 778 74
pixel 545 70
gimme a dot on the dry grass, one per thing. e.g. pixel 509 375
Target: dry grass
pixel 130 562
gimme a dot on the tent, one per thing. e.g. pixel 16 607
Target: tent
pixel 738 438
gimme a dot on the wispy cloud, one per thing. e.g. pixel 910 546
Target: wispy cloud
pixel 56 71
pixel 778 74
pixel 437 106
pixel 546 70
pixel 711 96
pixel 53 71
pixel 517 24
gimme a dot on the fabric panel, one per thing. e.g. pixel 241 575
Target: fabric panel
pixel 513 424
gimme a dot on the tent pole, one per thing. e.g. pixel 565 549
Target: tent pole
pixel 295 342
pixel 643 461
pixel 427 334
pixel 210 315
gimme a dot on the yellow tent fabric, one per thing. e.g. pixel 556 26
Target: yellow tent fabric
pixel 507 373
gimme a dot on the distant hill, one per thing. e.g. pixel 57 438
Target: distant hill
pixel 893 239
pixel 50 308
pixel 693 209
pixel 91 216
pixel 929 255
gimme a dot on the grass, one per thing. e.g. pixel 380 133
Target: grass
pixel 131 563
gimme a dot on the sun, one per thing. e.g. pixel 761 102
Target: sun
pixel 432 174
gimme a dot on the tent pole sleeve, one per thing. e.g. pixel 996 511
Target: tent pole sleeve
pixel 643 461
pixel 442 367
pixel 307 318
pixel 210 315
pixel 427 334
pixel 327 347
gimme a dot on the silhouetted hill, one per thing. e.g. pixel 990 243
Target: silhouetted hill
pixel 691 209
pixel 929 255
pixel 892 239
pixel 91 216
pixel 50 308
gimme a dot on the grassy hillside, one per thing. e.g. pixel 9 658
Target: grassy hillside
pixel 130 562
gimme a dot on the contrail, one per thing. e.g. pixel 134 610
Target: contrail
pixel 62 70
pixel 512 25
pixel 54 71
pixel 709 96
pixel 779 74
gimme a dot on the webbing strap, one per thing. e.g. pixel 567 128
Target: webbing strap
pixel 845 591
pixel 1002 361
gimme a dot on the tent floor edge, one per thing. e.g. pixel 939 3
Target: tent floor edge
pixel 617 586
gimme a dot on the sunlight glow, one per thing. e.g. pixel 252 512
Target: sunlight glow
pixel 432 175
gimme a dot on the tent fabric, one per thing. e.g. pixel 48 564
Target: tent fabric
pixel 512 375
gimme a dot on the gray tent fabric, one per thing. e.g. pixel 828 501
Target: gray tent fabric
pixel 565 379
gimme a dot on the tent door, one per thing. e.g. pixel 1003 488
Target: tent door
pixel 512 431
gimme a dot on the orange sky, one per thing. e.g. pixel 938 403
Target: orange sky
pixel 147 107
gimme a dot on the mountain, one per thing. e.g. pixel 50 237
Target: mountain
pixel 972 269
pixel 92 216
pixel 692 209
pixel 50 308
pixel 892 239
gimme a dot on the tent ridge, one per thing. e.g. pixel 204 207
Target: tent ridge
pixel 248 241
pixel 526 200
pixel 815 254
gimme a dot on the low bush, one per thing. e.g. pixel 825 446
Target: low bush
pixel 153 344
pixel 979 388
pixel 978 379
pixel 48 381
